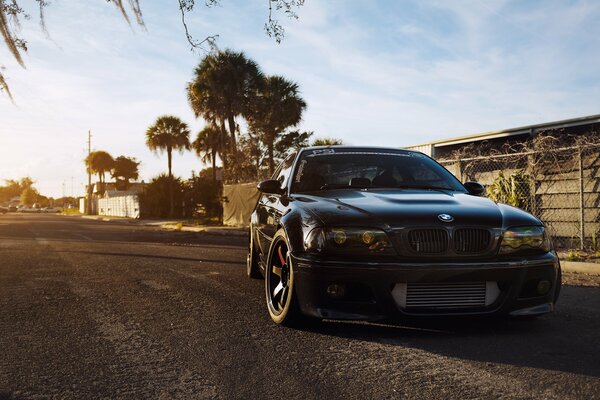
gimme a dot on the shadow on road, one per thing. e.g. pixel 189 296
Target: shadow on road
pixel 163 257
pixel 146 238
pixel 547 342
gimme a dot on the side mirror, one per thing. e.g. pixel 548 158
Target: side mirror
pixel 474 188
pixel 271 186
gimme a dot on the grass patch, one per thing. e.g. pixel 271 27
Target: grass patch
pixel 71 211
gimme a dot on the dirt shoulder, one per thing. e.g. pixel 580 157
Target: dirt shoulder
pixel 572 278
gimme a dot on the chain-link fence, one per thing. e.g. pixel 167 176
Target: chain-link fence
pixel 561 186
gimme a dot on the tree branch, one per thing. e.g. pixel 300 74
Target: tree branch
pixel 187 6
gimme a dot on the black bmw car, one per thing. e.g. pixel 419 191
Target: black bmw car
pixel 376 233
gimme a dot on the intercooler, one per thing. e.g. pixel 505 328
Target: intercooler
pixel 445 295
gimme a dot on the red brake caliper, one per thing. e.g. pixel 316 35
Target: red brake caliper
pixel 281 256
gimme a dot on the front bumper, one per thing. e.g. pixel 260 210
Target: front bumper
pixel 370 286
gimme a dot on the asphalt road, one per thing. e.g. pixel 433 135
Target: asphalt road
pixel 92 309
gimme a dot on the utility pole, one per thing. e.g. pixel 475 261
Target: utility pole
pixel 88 209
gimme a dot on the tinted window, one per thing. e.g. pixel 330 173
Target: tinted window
pixel 282 173
pixel 371 169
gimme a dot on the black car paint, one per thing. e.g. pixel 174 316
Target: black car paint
pixel 390 210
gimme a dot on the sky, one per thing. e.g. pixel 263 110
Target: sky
pixel 389 73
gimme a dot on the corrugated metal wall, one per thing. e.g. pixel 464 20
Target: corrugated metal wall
pixel 120 206
pixel 423 148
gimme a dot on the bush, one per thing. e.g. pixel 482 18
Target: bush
pixel 514 190
pixel 203 198
pixel 198 197
pixel 154 200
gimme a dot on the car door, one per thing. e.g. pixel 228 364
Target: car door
pixel 270 208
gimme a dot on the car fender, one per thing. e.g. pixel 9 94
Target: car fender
pixel 297 223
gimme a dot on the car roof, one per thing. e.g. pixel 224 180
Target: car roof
pixel 358 148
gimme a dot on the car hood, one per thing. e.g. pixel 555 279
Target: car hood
pixel 409 207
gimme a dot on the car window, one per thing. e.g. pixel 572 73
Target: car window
pixel 277 171
pixel 321 171
pixel 419 173
pixel 282 173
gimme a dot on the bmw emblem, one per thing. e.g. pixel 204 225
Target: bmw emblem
pixel 446 217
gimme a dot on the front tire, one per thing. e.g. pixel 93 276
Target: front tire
pixel 279 283
pixel 558 285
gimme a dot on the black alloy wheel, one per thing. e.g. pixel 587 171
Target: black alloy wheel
pixel 279 283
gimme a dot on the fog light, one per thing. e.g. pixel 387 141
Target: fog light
pixel 543 286
pixel 336 291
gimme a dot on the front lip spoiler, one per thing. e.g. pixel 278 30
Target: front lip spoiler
pixel 536 310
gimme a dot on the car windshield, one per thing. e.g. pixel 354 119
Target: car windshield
pixel 330 169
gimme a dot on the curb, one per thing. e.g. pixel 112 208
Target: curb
pixel 96 218
pixel 581 267
pixel 219 231
pixel 173 226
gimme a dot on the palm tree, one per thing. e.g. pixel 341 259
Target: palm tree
pixel 207 145
pixel 167 134
pixel 100 162
pixel 223 86
pixel 277 108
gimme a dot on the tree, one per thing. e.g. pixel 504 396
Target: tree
pixel 277 108
pixel 202 197
pixel 167 134
pixel 124 170
pixel 11 13
pixel 29 196
pixel 289 142
pixel 14 188
pixel 224 86
pixel 246 163
pixel 207 145
pixel 100 162
pixel 26 182
pixel 327 142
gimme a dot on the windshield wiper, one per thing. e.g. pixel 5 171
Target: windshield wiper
pixel 332 186
pixel 424 187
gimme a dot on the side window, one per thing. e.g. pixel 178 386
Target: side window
pixel 283 172
pixel 277 171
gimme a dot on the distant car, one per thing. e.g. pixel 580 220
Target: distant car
pixel 51 210
pixel 25 209
pixel 3 210
pixel 373 233
pixel 12 208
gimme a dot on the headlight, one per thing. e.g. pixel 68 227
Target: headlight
pixel 525 238
pixel 348 241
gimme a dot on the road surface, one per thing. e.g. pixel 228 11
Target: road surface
pixel 92 309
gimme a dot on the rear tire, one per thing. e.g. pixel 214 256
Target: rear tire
pixel 252 267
